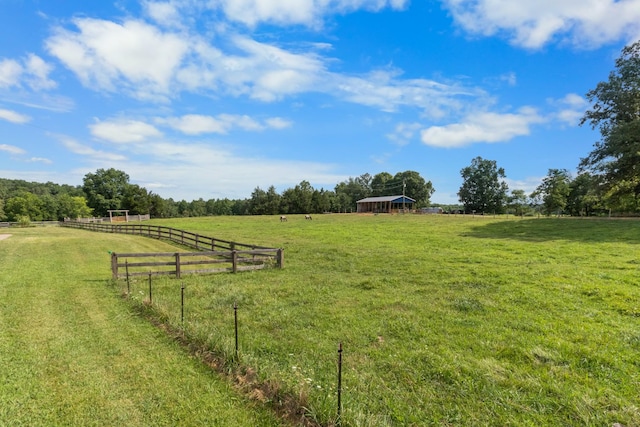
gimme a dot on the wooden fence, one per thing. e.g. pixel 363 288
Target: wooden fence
pixel 212 253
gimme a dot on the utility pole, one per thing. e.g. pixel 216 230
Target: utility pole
pixel 404 185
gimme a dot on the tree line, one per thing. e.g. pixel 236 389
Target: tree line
pixel 484 191
pixel 608 178
pixel 110 189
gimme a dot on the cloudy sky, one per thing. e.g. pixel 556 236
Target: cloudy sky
pixel 213 98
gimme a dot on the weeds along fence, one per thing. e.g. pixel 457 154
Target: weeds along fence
pixel 229 328
pixel 212 256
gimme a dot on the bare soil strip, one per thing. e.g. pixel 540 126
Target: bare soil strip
pixel 4 236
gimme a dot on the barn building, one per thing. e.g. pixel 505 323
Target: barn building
pixel 385 204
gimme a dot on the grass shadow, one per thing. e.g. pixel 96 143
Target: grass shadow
pixel 586 230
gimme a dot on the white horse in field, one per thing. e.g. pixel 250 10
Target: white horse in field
pixel 283 218
pixel 307 217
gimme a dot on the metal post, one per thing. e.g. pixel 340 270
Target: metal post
pixel 150 299
pixel 338 420
pixel 235 316
pixel 126 266
pixel 182 303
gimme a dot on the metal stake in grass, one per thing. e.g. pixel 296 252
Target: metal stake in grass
pixel 126 266
pixel 182 303
pixel 235 317
pixel 338 420
pixel 150 299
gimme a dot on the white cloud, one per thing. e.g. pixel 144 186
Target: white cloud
pixel 278 123
pixel 37 71
pixel 535 23
pixel 481 127
pixel 40 160
pixel 124 131
pixel 32 71
pixel 103 53
pixel 222 172
pixel 571 108
pixel 296 12
pixel 528 184
pixel 240 66
pixel 384 90
pixel 10 72
pixel 404 132
pixel 13 117
pixel 84 150
pixel 196 124
pixel 11 149
pixel 165 13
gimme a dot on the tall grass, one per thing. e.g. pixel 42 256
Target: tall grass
pixel 444 320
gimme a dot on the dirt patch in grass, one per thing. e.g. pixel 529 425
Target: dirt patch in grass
pixel 4 236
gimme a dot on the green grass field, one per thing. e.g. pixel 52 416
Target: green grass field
pixel 444 320
pixel 73 354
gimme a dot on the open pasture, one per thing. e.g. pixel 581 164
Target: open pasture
pixel 444 320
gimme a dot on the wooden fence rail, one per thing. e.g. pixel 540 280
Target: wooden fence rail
pixel 180 263
pixel 211 251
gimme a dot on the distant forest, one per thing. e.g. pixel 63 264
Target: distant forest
pixel 110 189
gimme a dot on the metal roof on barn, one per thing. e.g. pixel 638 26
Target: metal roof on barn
pixel 392 199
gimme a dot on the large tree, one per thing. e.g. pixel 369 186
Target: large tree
pixel 105 190
pixel 615 111
pixel 483 188
pixel 350 191
pixel 585 196
pixel 415 187
pixel 554 191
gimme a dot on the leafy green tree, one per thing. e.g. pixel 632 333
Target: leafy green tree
pixel 3 216
pixel 615 111
pixel 198 207
pixel 350 191
pixel 415 187
pixel 274 201
pixel 240 207
pixel 554 191
pixel 321 201
pixel 105 190
pixel 24 205
pixel 136 199
pixel 258 202
pixel 517 202
pixel 585 196
pixel 50 207
pixel 220 207
pixel 73 207
pixel 483 188
pixel 383 184
pixel 183 208
pixel 298 199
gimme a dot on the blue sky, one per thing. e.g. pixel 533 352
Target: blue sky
pixel 211 99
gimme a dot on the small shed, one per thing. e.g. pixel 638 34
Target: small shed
pixel 385 204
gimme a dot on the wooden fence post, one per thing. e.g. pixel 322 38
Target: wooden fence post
pixel 177 265
pixel 234 260
pixel 114 266
pixel 280 258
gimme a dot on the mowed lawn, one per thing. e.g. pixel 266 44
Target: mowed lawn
pixel 72 353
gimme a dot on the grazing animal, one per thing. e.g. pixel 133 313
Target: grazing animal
pixel 307 217
pixel 283 218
